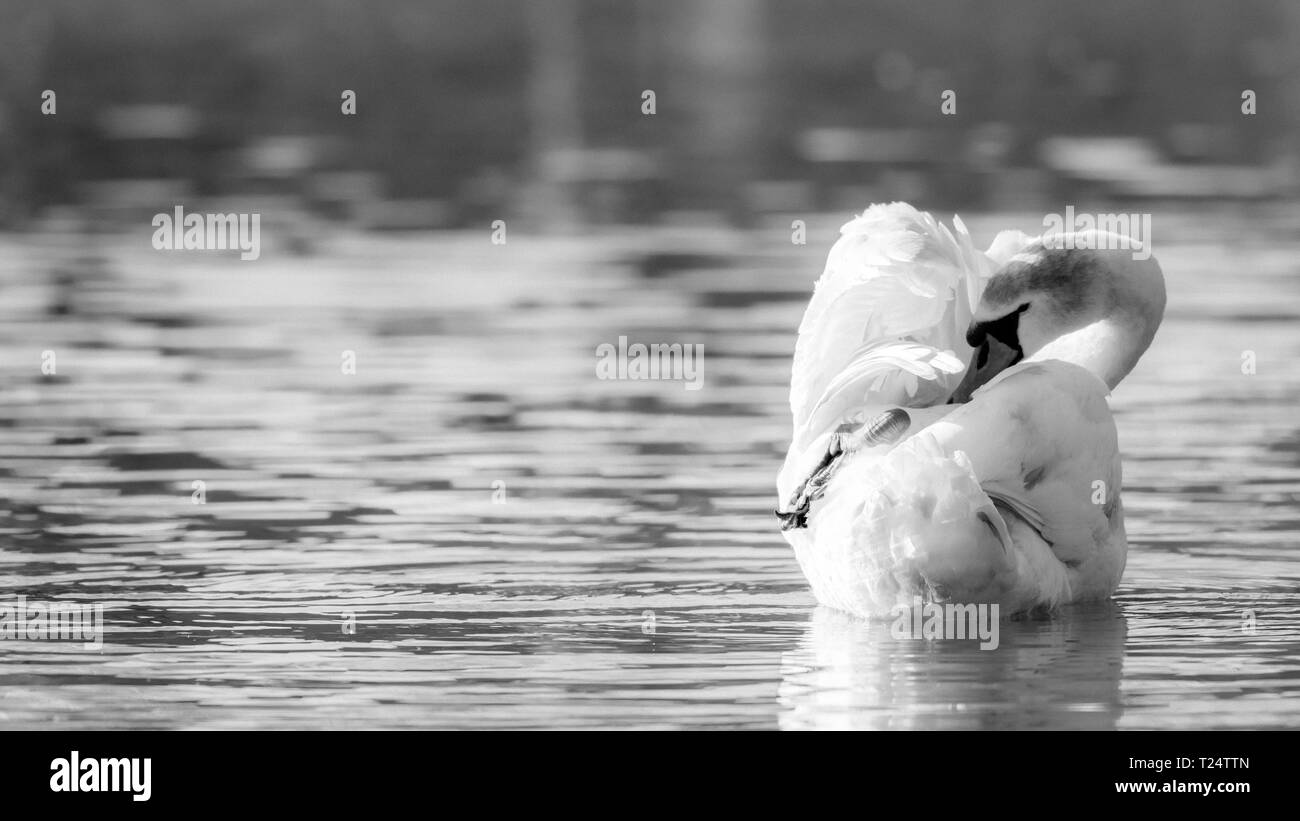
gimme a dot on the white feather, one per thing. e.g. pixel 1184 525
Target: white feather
pixel 995 500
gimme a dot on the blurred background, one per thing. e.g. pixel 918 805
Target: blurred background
pixel 181 439
pixel 473 110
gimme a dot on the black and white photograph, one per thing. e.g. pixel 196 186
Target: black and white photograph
pixel 650 365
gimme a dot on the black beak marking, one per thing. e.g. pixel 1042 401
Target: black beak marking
pixel 1005 330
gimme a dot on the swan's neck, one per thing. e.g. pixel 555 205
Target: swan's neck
pixel 1108 347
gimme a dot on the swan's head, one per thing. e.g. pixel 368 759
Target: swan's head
pixel 1094 299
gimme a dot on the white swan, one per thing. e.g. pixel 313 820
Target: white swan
pixel 1010 492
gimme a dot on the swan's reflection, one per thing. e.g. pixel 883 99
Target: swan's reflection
pixel 1061 673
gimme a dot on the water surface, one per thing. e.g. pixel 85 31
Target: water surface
pixel 472 530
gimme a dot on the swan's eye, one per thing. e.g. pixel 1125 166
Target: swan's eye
pixel 1023 308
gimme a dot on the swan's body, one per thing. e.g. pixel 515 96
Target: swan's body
pixel 1012 497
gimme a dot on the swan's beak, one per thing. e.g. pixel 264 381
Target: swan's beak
pixel 991 358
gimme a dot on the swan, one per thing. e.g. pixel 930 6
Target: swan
pixel 952 439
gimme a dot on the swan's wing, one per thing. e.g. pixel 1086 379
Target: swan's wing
pixel 1042 441
pixel 886 324
pixel 885 372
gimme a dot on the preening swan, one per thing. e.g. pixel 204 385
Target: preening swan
pixel 910 473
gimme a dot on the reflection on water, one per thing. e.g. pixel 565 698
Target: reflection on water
pixel 1060 673
pixel 472 530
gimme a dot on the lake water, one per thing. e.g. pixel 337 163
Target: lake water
pixel 473 531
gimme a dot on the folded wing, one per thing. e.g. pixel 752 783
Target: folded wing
pixel 886 324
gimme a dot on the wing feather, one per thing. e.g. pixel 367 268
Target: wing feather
pixel 888 317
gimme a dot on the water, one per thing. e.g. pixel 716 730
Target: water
pixel 519 544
